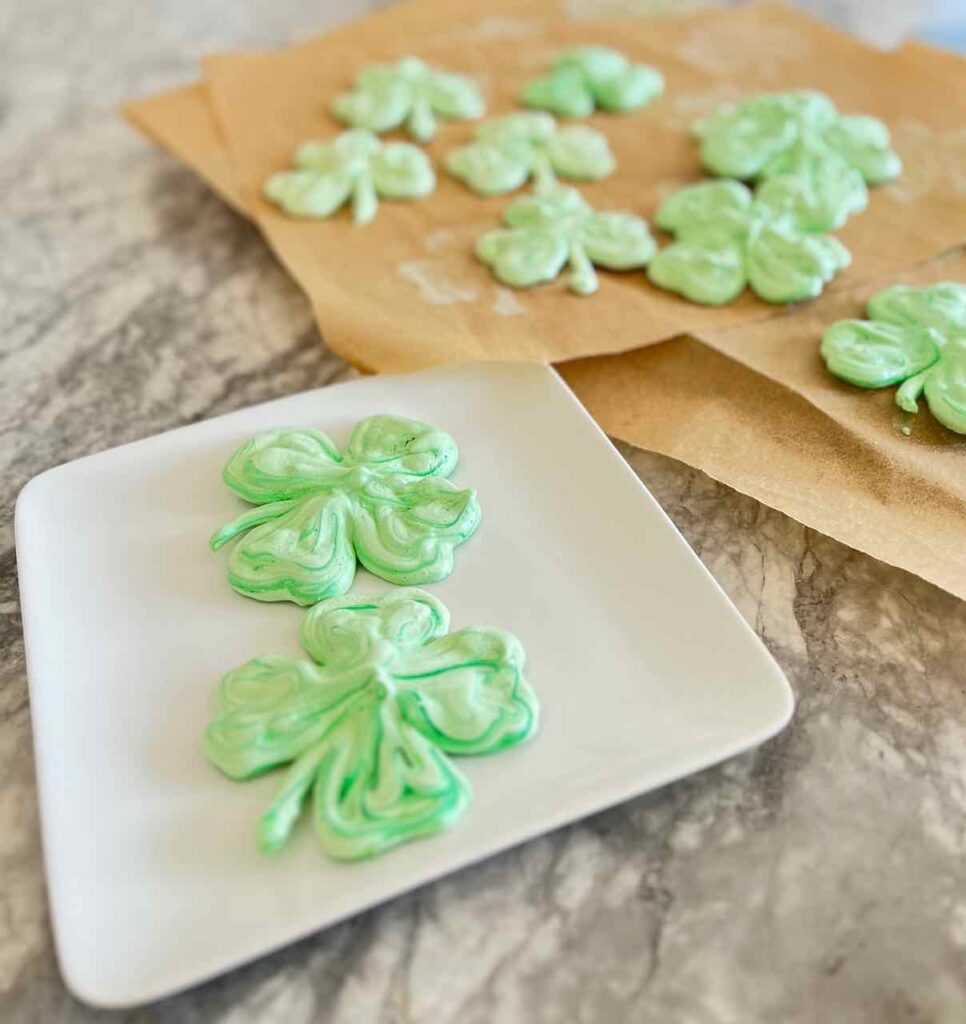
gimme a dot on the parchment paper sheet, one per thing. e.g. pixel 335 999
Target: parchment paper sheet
pixel 406 290
pixel 756 409
pixel 901 501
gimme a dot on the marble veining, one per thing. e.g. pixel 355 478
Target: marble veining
pixel 819 878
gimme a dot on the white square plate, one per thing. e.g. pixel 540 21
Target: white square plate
pixel 644 670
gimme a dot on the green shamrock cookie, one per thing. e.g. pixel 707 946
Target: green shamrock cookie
pixel 410 93
pixel 727 238
pixel 353 167
pixel 385 501
pixel 368 725
pixel 914 337
pixel 588 77
pixel 508 151
pixel 807 156
pixel 557 227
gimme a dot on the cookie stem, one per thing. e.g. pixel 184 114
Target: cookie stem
pixel 364 199
pixel 544 177
pixel 422 122
pixel 583 278
pixel 911 389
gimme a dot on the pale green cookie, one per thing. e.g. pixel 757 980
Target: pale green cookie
pixel 368 725
pixel 727 239
pixel 385 501
pixel 557 227
pixel 914 337
pixel 511 150
pixel 354 167
pixel 809 158
pixel 588 77
pixel 411 94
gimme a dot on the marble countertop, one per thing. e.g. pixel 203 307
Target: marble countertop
pixel 821 877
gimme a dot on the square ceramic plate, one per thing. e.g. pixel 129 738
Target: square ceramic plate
pixel 644 670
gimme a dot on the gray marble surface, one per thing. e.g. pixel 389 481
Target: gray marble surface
pixel 820 878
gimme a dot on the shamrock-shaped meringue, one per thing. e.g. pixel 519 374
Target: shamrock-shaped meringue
pixel 385 501
pixel 353 167
pixel 727 238
pixel 557 227
pixel 410 93
pixel 510 150
pixel 367 726
pixel 914 337
pixel 808 157
pixel 588 77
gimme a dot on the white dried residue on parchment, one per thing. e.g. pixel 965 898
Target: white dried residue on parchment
pixel 434 279
pixel 443 278
pixel 494 29
pixel 443 281
pixel 930 160
pixel 437 285
pixel 727 48
pixel 581 9
pixel 505 303
pixel 440 239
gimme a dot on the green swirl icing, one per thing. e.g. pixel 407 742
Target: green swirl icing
pixel 809 158
pixel 557 227
pixel 510 150
pixel 914 337
pixel 384 501
pixel 588 77
pixel 727 239
pixel 411 94
pixel 367 725
pixel 354 167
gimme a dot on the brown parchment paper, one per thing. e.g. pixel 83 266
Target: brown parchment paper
pixel 183 122
pixel 406 290
pixel 812 449
pixel 900 500
pixel 434 303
